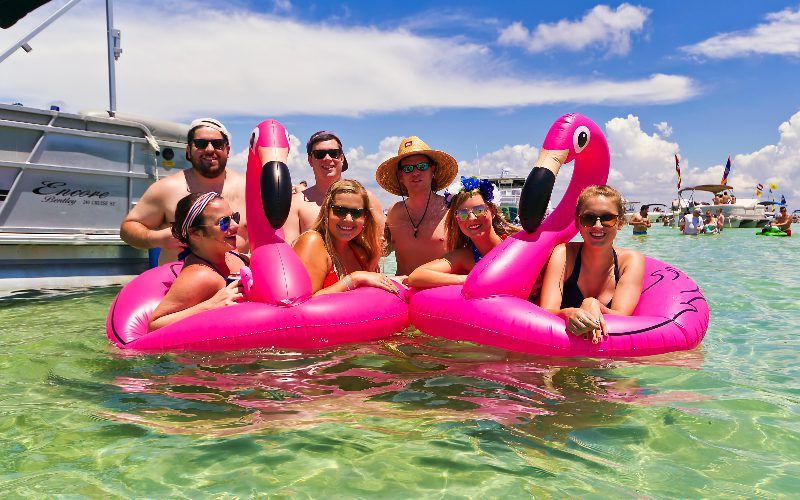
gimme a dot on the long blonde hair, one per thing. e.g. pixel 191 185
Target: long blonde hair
pixel 457 239
pixel 368 239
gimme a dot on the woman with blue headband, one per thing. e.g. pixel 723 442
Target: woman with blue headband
pixel 205 223
pixel 473 226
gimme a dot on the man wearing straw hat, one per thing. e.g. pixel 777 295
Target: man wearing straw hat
pixel 327 160
pixel 148 224
pixel 415 226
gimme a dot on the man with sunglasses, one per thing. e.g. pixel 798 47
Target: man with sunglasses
pixel 415 226
pixel 327 160
pixel 148 224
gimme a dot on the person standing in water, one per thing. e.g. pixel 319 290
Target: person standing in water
pixel 148 224
pixel 640 221
pixel 415 227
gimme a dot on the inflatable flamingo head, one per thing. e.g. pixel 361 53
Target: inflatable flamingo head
pixel 269 185
pixel 571 137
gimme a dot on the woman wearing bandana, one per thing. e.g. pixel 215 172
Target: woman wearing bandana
pixel 206 224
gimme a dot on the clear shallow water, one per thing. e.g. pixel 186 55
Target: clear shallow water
pixel 416 416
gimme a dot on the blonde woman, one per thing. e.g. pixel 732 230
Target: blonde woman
pixel 586 279
pixel 342 249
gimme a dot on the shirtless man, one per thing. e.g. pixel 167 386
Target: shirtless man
pixel 415 226
pixel 148 223
pixel 640 221
pixel 782 221
pixel 327 160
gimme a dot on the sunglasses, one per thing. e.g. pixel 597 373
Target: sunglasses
pixel 320 154
pixel 462 214
pixel 224 223
pixel 203 143
pixel 606 220
pixel 421 166
pixel 341 212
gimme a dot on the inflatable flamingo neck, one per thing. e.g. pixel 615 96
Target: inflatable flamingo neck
pixel 513 266
pixel 278 275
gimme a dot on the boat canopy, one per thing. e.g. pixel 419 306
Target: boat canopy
pixel 12 11
pixel 711 188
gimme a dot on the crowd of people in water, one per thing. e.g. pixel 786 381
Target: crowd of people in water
pixel 339 231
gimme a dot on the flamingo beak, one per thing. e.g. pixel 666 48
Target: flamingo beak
pixel 552 159
pixel 539 187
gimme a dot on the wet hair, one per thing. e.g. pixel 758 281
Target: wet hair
pixel 605 191
pixel 182 211
pixel 368 239
pixel 455 238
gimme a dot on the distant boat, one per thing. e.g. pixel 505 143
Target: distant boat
pixel 746 212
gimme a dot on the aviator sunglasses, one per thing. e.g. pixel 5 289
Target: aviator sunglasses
pixel 606 220
pixel 203 143
pixel 462 214
pixel 319 154
pixel 342 212
pixel 224 223
pixel 421 166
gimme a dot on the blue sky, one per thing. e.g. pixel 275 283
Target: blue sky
pixel 482 81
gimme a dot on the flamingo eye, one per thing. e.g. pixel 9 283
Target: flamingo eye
pixel 581 138
pixel 254 138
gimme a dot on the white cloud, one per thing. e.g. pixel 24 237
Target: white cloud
pixel 664 129
pixel 601 27
pixel 780 35
pixel 642 165
pixel 184 59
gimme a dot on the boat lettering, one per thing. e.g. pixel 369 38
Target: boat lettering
pixel 52 188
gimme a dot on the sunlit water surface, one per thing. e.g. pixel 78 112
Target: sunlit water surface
pixel 415 416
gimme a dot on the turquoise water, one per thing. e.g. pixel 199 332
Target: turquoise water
pixel 416 416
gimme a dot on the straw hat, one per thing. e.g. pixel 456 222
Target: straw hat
pixel 446 167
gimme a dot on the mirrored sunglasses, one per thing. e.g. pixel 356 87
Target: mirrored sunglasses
pixel 342 212
pixel 203 143
pixel 320 154
pixel 421 166
pixel 462 214
pixel 606 220
pixel 224 223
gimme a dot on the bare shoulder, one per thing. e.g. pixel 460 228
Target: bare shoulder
pixel 200 277
pixel 393 212
pixel 309 240
pixel 629 258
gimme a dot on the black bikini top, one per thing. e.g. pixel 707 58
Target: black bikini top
pixel 573 297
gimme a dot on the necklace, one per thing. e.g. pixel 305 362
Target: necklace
pixel 416 226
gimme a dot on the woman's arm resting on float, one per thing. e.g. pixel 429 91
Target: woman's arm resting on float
pixel 310 247
pixel 194 291
pixel 579 320
pixel 629 287
pixel 448 270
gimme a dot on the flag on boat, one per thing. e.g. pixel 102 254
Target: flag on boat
pixel 759 190
pixel 726 172
pixel 678 170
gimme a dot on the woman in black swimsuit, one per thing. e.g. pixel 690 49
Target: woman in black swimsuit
pixel 473 226
pixel 585 280
pixel 205 223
